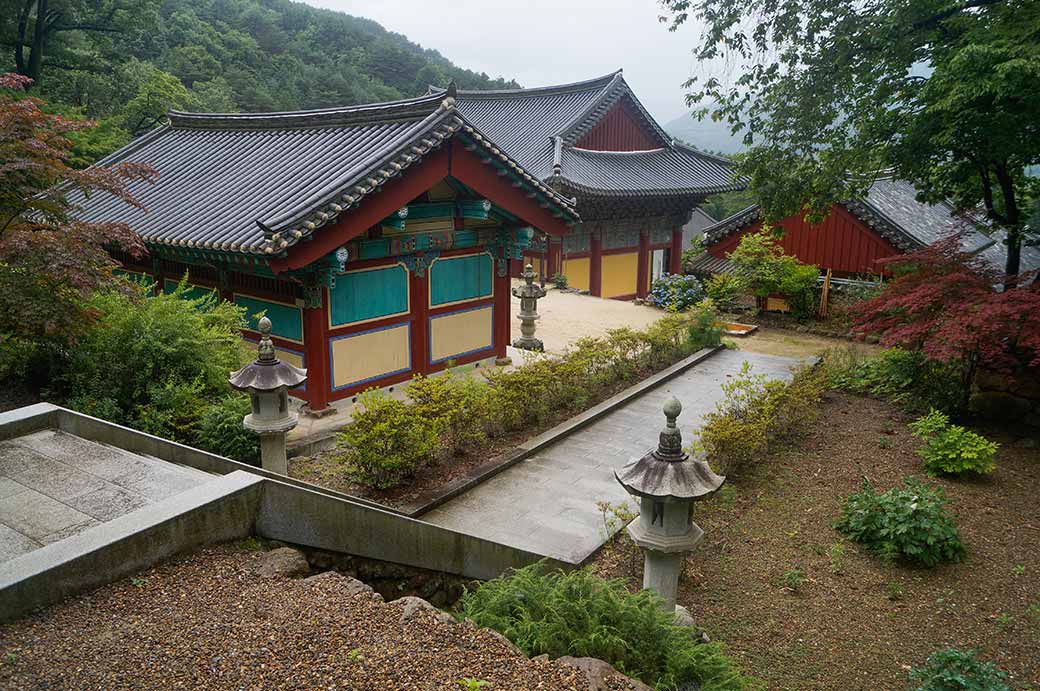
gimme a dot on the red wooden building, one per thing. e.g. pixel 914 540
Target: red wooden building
pixel 856 234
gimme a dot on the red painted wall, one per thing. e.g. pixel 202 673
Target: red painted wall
pixel 619 130
pixel 842 243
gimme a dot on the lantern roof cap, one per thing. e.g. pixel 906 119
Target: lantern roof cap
pixel 668 472
pixel 267 373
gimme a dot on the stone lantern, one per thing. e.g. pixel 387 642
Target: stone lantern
pixel 667 482
pixel 268 380
pixel 529 294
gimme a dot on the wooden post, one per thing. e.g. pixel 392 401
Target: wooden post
pixel 825 295
pixel 503 318
pixel 420 298
pixel 643 271
pixel 595 265
pixel 675 253
pixel 316 346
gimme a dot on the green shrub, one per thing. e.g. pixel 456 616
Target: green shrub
pixel 559 280
pixel 958 670
pixel 220 430
pixel 760 261
pixel 725 289
pixel 952 449
pixel 580 614
pixel 145 352
pixel 903 377
pixel 385 442
pixel 908 522
pixel 453 407
pixel 172 411
pixel 704 330
pixel 755 413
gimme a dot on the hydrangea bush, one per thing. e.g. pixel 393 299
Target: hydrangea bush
pixel 676 292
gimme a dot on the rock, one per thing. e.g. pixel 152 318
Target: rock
pixel 352 586
pixel 600 674
pixel 540 658
pixel 684 618
pixel 998 405
pixel 284 562
pixel 989 380
pixel 411 606
pixel 873 338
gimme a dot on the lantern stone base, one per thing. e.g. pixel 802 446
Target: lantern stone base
pixel 529 344
pixel 661 574
pixel 665 543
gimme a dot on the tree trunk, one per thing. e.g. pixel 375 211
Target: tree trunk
pixel 39 40
pixel 1013 226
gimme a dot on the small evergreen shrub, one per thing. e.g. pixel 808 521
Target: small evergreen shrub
pixel 704 331
pixel 676 292
pixel 958 670
pixel 756 413
pixel 952 449
pixel 560 281
pixel 221 431
pixel 908 522
pixel 580 614
pixel 386 442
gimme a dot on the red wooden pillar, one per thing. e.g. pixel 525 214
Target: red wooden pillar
pixel 503 316
pixel 675 254
pixel 420 297
pixel 595 265
pixel 643 271
pixel 316 345
pixel 555 262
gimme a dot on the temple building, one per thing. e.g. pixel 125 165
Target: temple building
pixel 635 186
pixel 376 238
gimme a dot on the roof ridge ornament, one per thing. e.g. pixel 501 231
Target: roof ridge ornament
pixel 669 446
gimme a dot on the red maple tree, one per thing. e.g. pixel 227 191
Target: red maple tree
pixel 49 260
pixel 947 304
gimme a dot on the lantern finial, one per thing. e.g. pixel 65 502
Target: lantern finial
pixel 265 351
pixel 669 447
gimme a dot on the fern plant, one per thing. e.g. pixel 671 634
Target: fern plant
pixel 958 670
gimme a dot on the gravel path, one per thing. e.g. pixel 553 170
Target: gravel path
pixel 207 622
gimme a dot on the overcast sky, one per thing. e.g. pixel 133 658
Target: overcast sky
pixel 540 42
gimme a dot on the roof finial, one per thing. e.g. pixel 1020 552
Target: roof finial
pixel 669 447
pixel 265 351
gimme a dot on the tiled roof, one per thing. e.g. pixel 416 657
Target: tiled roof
pixel 259 183
pixel 667 171
pixel 891 209
pixel 540 126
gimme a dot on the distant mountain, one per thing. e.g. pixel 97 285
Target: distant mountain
pixel 705 134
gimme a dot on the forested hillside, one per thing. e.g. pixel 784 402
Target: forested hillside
pixel 124 62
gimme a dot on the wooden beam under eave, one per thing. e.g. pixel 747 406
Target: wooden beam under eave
pixel 470 170
pixel 372 209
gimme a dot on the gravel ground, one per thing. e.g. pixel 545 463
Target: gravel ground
pixel 207 622
pixel 856 623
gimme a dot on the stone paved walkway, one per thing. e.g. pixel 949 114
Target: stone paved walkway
pixel 54 485
pixel 547 503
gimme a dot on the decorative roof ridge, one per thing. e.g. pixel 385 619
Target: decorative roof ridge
pixel 369 113
pixel 552 89
pixel 616 90
pixel 881 223
pixel 604 152
pixel 715 233
pixel 647 192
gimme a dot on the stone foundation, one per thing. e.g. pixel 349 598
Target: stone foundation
pixel 1013 396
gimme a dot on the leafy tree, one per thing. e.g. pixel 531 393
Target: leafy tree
pixel 760 261
pixel 829 94
pixel 158 93
pixel 44 29
pixel 48 262
pixel 943 303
